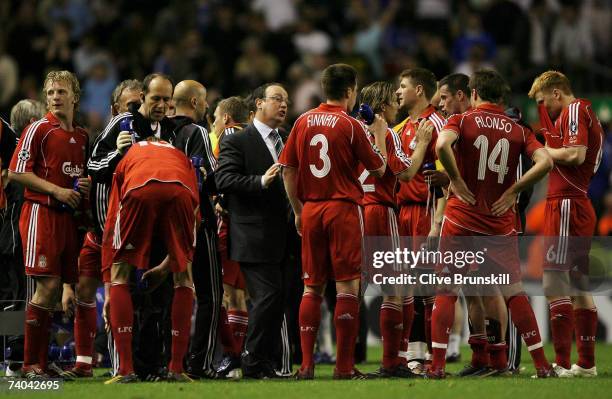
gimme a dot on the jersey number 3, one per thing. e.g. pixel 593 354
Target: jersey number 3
pixel 489 161
pixel 323 171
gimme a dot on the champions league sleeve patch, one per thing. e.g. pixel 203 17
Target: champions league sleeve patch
pixel 23 155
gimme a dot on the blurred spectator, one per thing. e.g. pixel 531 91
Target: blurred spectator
pixel 473 35
pixel 76 11
pixel 99 84
pixel 599 17
pixel 309 41
pixel 572 38
pixel 433 55
pixel 476 60
pixel 59 52
pixel 373 19
pixel 25 28
pixel 255 66
pixel 9 77
pixel 277 13
pixel 540 26
pixel 306 92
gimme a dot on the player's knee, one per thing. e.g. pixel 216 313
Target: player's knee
pixel 47 291
pixel 86 289
pixel 583 302
pixel 182 279
pixel 120 273
pixel 348 287
pixel 393 299
pixel 314 289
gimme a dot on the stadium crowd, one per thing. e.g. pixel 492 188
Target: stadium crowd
pixel 241 212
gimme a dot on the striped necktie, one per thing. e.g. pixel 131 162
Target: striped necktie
pixel 278 142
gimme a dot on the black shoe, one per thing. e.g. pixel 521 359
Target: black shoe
pixel 471 371
pixel 380 373
pixel 197 373
pixel 453 358
pixel 228 364
pixel 403 371
pixel 263 373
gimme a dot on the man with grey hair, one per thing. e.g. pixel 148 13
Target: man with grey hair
pixel 126 94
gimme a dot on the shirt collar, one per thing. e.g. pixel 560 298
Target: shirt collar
pixel 491 107
pixel 262 128
pixel 55 121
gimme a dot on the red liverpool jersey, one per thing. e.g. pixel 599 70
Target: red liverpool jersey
pixel 326 146
pixel 381 190
pixel 577 125
pixel 487 152
pixel 52 154
pixel 416 189
pixel 154 161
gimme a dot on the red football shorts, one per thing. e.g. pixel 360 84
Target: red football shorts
pixel 156 210
pixel 90 258
pixel 500 253
pixel 50 242
pixel 414 225
pixel 570 222
pixel 232 275
pixel 332 233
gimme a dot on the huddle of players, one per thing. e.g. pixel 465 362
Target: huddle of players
pixel 321 174
pixel 327 154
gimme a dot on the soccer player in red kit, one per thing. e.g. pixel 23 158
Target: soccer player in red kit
pixel 50 162
pixel 574 142
pixel 154 196
pixel 380 218
pixel 90 273
pixel 482 201
pixel 415 198
pixel 320 171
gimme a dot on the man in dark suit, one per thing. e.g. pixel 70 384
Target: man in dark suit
pixel 248 175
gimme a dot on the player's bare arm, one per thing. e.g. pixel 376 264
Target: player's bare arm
pixel 542 164
pixel 423 137
pixel 444 150
pixel 570 156
pixel 379 129
pixel 33 182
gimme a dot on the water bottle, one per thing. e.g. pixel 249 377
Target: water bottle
pixel 366 113
pixel 197 163
pixel 127 125
pixel 75 186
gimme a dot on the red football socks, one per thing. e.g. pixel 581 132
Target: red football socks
pixel 35 328
pixel 238 323
pixel 562 328
pixel 346 318
pixel 429 302
pixel 586 329
pixel 310 318
pixel 498 356
pixel 408 317
pixel 182 309
pixel 122 320
pixel 391 330
pixel 442 319
pixel 480 355
pixel 84 334
pixel 525 321
pixel 226 334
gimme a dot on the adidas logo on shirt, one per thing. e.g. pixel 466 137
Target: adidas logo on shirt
pixel 72 140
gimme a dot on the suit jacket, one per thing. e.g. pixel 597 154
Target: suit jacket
pixel 258 217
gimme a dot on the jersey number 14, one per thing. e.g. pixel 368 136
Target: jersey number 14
pixel 496 162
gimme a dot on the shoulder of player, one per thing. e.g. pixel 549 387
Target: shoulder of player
pixel 437 120
pixel 41 126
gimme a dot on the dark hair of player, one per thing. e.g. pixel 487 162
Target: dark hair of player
pixel 489 85
pixel 423 77
pixel 336 79
pixel 378 94
pixel 456 82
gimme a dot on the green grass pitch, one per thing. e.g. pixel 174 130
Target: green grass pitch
pixel 518 387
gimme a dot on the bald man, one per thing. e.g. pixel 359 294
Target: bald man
pixel 191 138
